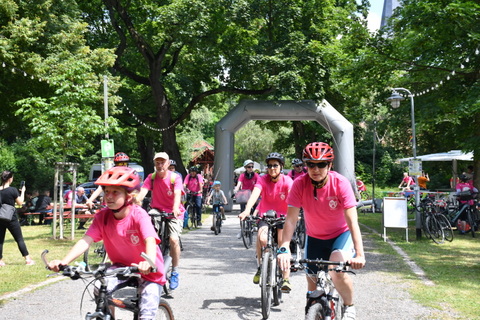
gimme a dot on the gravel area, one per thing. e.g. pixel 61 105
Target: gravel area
pixel 216 283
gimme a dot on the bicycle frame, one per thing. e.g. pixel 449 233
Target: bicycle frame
pixel 325 294
pixel 160 222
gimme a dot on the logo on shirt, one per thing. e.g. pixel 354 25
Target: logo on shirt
pixel 135 239
pixel 283 196
pixel 333 203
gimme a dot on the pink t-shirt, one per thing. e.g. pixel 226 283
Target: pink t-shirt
pixel 248 184
pixel 325 217
pixel 294 174
pixel 163 192
pixel 274 194
pixel 193 184
pixel 124 239
pixel 407 179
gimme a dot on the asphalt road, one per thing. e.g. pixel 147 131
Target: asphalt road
pixel 216 283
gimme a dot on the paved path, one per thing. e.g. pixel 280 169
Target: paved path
pixel 216 283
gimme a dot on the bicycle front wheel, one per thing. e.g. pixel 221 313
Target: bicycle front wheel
pixel 218 223
pixel 315 312
pixel 247 233
pixel 445 225
pixel 301 234
pixel 192 217
pixel 471 221
pixel 215 223
pixel 164 311
pixel 277 292
pixel 265 284
pixel 94 256
pixel 435 229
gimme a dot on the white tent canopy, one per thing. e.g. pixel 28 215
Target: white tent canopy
pixel 452 155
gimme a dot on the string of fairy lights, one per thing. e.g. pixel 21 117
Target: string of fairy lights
pixel 436 86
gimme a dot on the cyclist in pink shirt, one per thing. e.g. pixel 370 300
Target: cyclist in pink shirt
pixel 273 188
pixel 166 188
pixel 298 169
pixel 330 214
pixel 246 180
pixel 126 231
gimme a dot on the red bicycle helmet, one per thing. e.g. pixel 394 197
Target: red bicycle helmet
pixel 318 151
pixel 121 177
pixel 121 157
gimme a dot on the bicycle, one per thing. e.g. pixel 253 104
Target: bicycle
pixel 247 229
pixel 191 211
pixel 271 275
pixel 435 225
pixel 160 220
pixel 325 303
pixel 105 301
pixel 469 212
pixel 217 218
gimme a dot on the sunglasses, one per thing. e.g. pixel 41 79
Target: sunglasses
pixel 249 167
pixel 320 165
pixel 270 166
pixel 299 166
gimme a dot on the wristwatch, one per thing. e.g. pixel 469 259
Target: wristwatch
pixel 282 250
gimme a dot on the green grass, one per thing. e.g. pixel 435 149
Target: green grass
pixel 453 267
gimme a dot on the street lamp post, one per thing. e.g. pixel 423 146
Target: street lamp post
pixel 395 99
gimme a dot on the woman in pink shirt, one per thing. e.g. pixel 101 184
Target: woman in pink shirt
pixel 331 221
pixel 246 180
pixel 273 188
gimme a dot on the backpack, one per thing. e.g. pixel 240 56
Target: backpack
pixel 173 176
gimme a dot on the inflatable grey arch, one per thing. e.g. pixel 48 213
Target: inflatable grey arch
pixel 322 112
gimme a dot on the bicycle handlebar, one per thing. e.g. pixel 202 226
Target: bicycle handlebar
pixel 76 272
pixel 157 213
pixel 323 264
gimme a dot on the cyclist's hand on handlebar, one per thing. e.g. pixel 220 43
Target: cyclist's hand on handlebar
pixel 176 212
pixel 284 260
pixel 357 262
pixel 55 265
pixel 244 214
pixel 89 204
pixel 143 267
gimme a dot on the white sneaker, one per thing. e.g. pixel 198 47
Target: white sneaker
pixel 239 235
pixel 349 313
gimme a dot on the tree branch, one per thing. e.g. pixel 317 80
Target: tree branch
pixel 195 100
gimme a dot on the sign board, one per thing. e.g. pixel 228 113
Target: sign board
pixel 415 167
pixel 395 214
pixel 108 150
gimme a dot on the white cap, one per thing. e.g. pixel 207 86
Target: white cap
pixel 162 155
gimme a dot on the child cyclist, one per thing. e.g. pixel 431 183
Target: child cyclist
pixel 126 231
pixel 218 197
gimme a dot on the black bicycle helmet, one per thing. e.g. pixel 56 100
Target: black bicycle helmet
pixel 463 177
pixel 297 162
pixel 173 163
pixel 275 156
pixel 193 169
